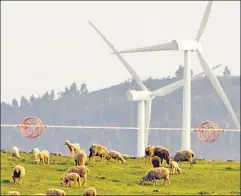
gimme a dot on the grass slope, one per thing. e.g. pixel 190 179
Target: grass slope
pixel 206 177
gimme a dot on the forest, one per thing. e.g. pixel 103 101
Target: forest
pixel 75 105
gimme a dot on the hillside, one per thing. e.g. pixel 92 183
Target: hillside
pixel 109 178
pixel 109 107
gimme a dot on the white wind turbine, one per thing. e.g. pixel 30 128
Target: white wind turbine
pixel 145 98
pixel 189 46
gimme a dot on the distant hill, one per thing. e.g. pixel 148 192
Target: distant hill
pixel 110 107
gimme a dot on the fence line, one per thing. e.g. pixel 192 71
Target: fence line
pixel 111 128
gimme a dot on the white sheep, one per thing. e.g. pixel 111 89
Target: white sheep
pixel 90 192
pixel 42 157
pixel 55 192
pixel 36 150
pixel 80 158
pixel 67 178
pixel 18 173
pixel 72 147
pixel 157 173
pixel 13 193
pixel 81 170
pixel 116 156
pixel 174 167
pixel 15 152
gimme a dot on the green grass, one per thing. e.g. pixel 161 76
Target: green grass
pixel 205 178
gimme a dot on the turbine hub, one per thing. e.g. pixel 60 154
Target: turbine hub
pixel 191 45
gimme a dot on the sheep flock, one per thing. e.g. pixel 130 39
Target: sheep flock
pixel 77 175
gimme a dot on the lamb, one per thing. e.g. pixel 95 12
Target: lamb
pixel 13 193
pixel 80 158
pixel 115 155
pixel 90 192
pixel 184 155
pixel 149 151
pixel 156 174
pixel 72 147
pixel 156 161
pixel 55 192
pixel 15 152
pixel 67 178
pixel 42 157
pixel 162 153
pixel 174 167
pixel 18 173
pixel 81 170
pixel 98 150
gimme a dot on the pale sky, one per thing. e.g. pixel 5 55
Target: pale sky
pixel 49 45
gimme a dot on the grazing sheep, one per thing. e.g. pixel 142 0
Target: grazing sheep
pixel 156 161
pixel 42 157
pixel 81 170
pixel 67 178
pixel 80 158
pixel 15 152
pixel 18 173
pixel 184 155
pixel 98 150
pixel 162 153
pixel 72 147
pixel 90 192
pixel 174 167
pixel 115 155
pixel 149 151
pixel 156 174
pixel 13 193
pixel 55 192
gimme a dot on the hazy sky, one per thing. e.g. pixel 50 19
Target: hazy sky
pixel 50 45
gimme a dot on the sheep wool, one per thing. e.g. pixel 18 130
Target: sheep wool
pixel 163 153
pixel 81 170
pixel 80 158
pixel 156 174
pixel 90 192
pixel 67 178
pixel 72 147
pixel 98 150
pixel 149 151
pixel 18 173
pixel 55 192
pixel 42 157
pixel 15 152
pixel 116 156
pixel 185 155
pixel 156 161
pixel 13 193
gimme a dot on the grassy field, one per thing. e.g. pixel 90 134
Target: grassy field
pixel 109 178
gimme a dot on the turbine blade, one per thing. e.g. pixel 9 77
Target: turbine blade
pixel 159 47
pixel 204 20
pixel 148 105
pixel 217 87
pixel 124 62
pixel 176 85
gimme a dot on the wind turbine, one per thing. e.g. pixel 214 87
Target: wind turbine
pixel 189 46
pixel 144 98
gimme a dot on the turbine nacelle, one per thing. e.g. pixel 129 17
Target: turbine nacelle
pixel 191 45
pixel 139 95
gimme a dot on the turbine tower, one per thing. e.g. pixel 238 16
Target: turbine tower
pixel 144 98
pixel 189 46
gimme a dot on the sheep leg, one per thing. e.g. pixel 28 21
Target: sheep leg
pixel 85 180
pixel 79 181
pixel 48 160
pixel 164 181
pixel 169 181
pixel 154 182
pixel 150 160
